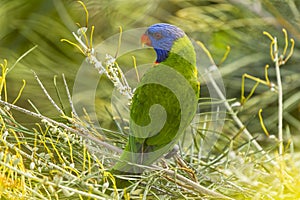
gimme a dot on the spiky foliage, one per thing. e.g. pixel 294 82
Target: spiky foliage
pixel 48 160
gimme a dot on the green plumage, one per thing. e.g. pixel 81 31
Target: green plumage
pixel 163 105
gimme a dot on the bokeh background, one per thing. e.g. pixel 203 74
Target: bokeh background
pixel 217 23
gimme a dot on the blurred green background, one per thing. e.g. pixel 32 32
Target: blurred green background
pixel 217 23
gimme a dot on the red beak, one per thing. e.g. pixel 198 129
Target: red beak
pixel 146 40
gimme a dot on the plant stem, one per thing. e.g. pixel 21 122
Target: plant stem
pixel 47 94
pixel 195 186
pixel 82 132
pixel 233 114
pixel 280 96
pixel 69 96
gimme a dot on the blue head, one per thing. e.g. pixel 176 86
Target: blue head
pixel 161 37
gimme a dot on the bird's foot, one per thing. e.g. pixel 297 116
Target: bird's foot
pixel 172 152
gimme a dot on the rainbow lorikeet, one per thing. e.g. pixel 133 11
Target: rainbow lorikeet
pixel 165 101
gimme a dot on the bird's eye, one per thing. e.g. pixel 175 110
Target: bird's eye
pixel 157 35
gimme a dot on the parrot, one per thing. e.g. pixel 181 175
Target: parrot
pixel 164 101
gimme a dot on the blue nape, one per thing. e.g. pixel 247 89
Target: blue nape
pixel 161 54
